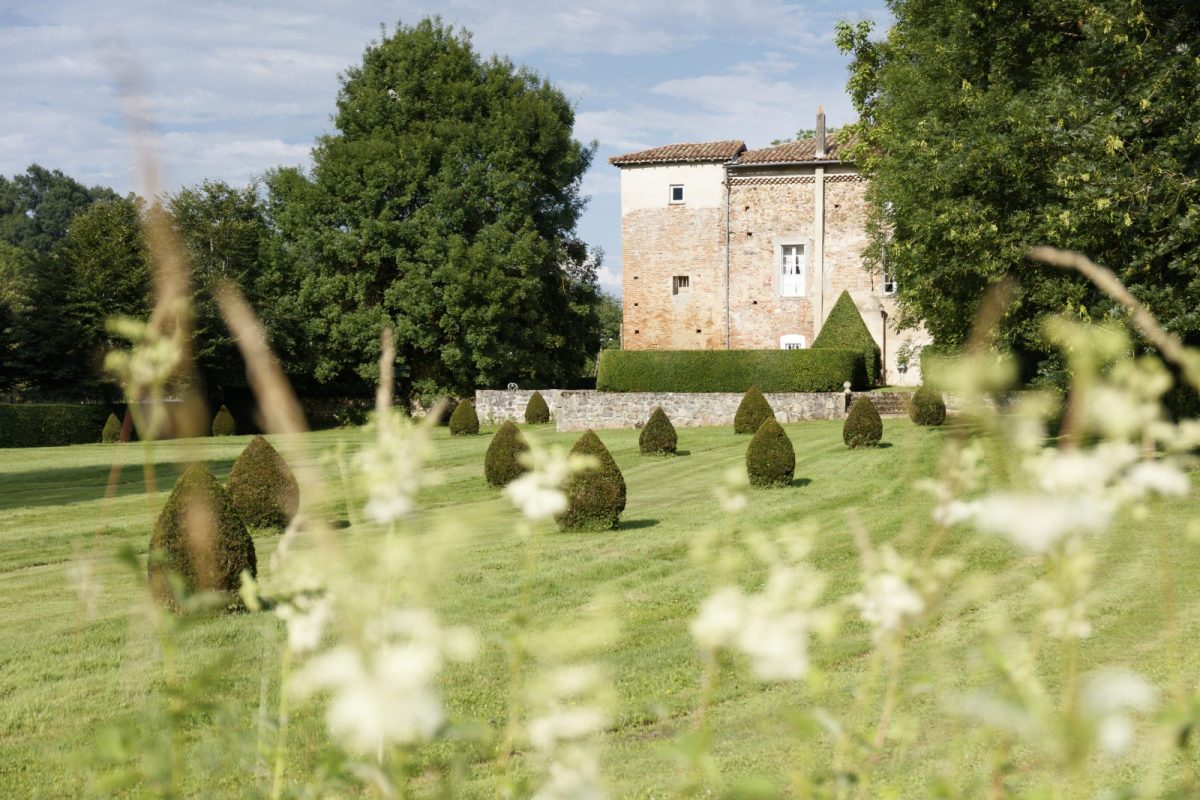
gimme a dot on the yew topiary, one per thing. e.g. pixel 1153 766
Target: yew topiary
pixel 199 542
pixel 658 437
pixel 464 421
pixel 844 329
pixel 863 426
pixel 770 458
pixel 112 430
pixel 502 463
pixel 262 487
pixel 927 407
pixel 536 410
pixel 751 412
pixel 223 423
pixel 596 495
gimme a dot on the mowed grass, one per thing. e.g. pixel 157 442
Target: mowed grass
pixel 64 679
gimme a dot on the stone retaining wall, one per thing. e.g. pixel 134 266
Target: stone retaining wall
pixel 576 410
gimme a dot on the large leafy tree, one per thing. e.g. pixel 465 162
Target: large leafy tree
pixel 37 206
pixel 990 127
pixel 445 205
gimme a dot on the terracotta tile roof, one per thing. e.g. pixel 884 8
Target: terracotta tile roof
pixel 673 153
pixel 804 150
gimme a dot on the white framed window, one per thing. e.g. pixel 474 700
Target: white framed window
pixel 889 282
pixel 793 265
pixel 676 193
pixel 792 341
pixel 681 284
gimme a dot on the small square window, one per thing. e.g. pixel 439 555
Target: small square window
pixel 681 284
pixel 889 283
pixel 677 193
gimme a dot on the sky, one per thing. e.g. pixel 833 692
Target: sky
pixel 234 89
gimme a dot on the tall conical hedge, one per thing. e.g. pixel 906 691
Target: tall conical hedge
pixel 200 539
pixel 464 421
pixel 863 426
pixel 223 423
pixel 658 435
pixel 844 329
pixel 595 496
pixel 112 430
pixel 536 410
pixel 927 406
pixel 262 487
pixel 770 458
pixel 501 464
pixel 751 412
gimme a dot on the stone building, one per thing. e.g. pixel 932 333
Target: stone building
pixel 724 247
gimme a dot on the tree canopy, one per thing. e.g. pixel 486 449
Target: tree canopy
pixel 987 128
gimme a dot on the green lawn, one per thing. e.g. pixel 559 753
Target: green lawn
pixel 64 680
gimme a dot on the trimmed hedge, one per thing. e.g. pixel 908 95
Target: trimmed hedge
pixel 658 437
pixel 863 426
pixel 112 430
pixel 770 458
pixel 464 421
pixel 536 410
pixel 262 487
pixel 844 329
pixel 223 423
pixel 595 496
pixel 752 412
pixel 927 406
pixel 50 424
pixel 809 370
pixel 501 465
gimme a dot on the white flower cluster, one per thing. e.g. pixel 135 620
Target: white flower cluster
pixel 384 692
pixel 393 467
pixel 1111 698
pixel 571 711
pixel 305 616
pixel 538 492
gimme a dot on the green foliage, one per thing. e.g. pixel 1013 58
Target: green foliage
pixel 927 406
pixel 199 542
pixel 752 412
pixel 37 206
pixel 324 413
pixel 464 421
pixel 844 329
pixel 262 488
pixel 729 370
pixel 50 424
pixel 445 204
pixel 223 423
pixel 770 457
pixel 112 430
pixel 595 496
pixel 863 426
pixel 536 410
pixel 501 464
pixel 954 99
pixel 611 318
pixel 658 435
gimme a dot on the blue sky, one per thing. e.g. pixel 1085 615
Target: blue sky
pixel 236 88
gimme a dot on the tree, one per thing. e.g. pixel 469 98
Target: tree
pixel 611 315
pixel 445 204
pixel 36 207
pixel 986 128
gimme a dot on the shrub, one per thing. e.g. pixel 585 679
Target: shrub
pixel 449 406
pixel 262 487
pixel 730 370
pixel 844 329
pixel 50 424
pixel 751 412
pixel 658 437
pixel 536 410
pixel 770 458
pixel 112 430
pixel 323 413
pixel 927 406
pixel 501 465
pixel 223 423
pixel 863 427
pixel 199 541
pixel 595 496
pixel 464 421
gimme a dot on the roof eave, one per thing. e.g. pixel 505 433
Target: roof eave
pixel 811 163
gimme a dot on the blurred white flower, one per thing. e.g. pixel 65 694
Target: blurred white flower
pixel 886 601
pixel 731 493
pixel 720 619
pixel 1110 697
pixel 573 775
pixel 1159 477
pixel 305 616
pixel 538 492
pixel 82 575
pixel 393 467
pixel 1038 522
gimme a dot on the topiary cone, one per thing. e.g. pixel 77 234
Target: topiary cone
pixel 927 406
pixel 112 430
pixel 595 496
pixel 262 487
pixel 223 423
pixel 863 426
pixel 844 329
pixel 199 540
pixel 464 421
pixel 501 464
pixel 770 458
pixel 536 410
pixel 751 412
pixel 658 435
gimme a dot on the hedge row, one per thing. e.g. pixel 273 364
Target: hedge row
pixel 809 370
pixel 50 424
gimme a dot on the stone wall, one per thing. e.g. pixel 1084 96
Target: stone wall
pixel 493 406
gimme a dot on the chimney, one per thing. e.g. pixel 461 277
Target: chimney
pixel 820 131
